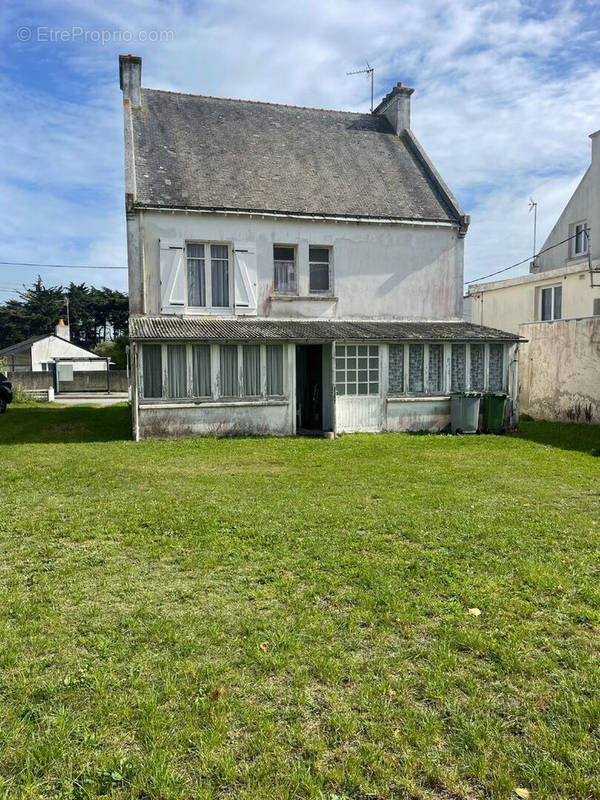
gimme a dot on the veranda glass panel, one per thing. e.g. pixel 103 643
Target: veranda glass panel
pixel 275 369
pixel 176 371
pixel 152 370
pixel 196 275
pixel 396 369
pixel 357 369
pixel 496 371
pixel 435 372
pixel 459 354
pixel 251 370
pixel 415 368
pixel 219 259
pixel 229 371
pixel 201 371
pixel 476 371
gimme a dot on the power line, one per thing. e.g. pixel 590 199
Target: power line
pixel 518 264
pixel 55 266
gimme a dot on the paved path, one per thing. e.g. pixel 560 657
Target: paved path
pixel 100 399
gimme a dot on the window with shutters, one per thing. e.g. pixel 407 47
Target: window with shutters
pixel 319 265
pixel 284 269
pixel 208 283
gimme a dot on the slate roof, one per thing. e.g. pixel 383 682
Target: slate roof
pixel 13 349
pixel 219 329
pixel 192 151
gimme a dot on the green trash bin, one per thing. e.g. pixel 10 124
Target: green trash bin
pixel 493 405
pixel 464 412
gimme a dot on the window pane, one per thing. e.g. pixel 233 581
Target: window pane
pixel 284 278
pixel 319 278
pixel 176 371
pixel 152 370
pixel 196 279
pixel 251 364
pixel 318 255
pixel 557 302
pixel 476 371
pixel 201 371
pixel 435 372
pixel 458 367
pixel 547 303
pixel 496 376
pixel 229 371
pixel 275 369
pixel 396 368
pixel 219 275
pixel 415 368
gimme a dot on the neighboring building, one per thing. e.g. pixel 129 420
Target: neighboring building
pixel 292 269
pixel 43 352
pixel 556 307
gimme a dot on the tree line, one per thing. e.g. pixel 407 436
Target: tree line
pixel 96 315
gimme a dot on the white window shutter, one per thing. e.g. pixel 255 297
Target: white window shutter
pixel 172 276
pixel 245 277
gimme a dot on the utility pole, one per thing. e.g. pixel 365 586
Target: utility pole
pixel 369 71
pixel 533 205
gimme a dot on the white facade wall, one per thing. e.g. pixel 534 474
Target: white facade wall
pixel 380 271
pixel 53 347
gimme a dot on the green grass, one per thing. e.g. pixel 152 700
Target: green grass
pixel 324 586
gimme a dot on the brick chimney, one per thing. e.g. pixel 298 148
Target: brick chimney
pixel 395 107
pixel 63 331
pixel 130 79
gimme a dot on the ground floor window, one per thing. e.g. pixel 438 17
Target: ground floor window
pixel 416 369
pixel 179 371
pixel 356 369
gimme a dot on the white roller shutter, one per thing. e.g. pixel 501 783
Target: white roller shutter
pixel 245 277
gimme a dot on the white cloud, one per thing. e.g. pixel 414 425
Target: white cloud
pixel 506 95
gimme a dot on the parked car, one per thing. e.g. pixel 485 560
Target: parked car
pixel 5 393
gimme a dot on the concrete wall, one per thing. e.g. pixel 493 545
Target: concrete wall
pixel 386 271
pixel 508 304
pixel 31 380
pixel 54 347
pixel 559 370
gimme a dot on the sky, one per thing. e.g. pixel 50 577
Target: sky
pixel 506 94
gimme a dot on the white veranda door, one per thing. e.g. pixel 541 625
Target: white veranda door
pixel 357 388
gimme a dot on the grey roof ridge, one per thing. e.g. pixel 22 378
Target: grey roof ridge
pixel 417 151
pixel 258 102
pixel 25 344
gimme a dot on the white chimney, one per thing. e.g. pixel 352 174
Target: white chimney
pixel 130 79
pixel 395 107
pixel 595 137
pixel 62 330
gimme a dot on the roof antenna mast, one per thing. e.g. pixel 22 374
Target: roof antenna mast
pixel 369 72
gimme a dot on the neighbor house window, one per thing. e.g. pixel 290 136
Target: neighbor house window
pixel 551 303
pixel 251 370
pixel 284 265
pixel 396 369
pixel 208 275
pixel 416 368
pixel 152 370
pixel 319 269
pixel 496 368
pixel 176 371
pixel 458 367
pixel 274 370
pixel 356 369
pixel 435 374
pixel 201 382
pixel 229 371
pixel 476 372
pixel 579 240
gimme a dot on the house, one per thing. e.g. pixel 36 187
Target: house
pixel 46 351
pixel 293 269
pixel 556 307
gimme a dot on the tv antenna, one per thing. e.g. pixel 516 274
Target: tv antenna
pixel 533 207
pixel 368 71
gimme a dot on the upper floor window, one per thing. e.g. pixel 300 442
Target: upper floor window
pixel 319 262
pixel 284 264
pixel 208 275
pixel 579 240
pixel 551 303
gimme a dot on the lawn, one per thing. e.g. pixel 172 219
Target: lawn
pixel 272 618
